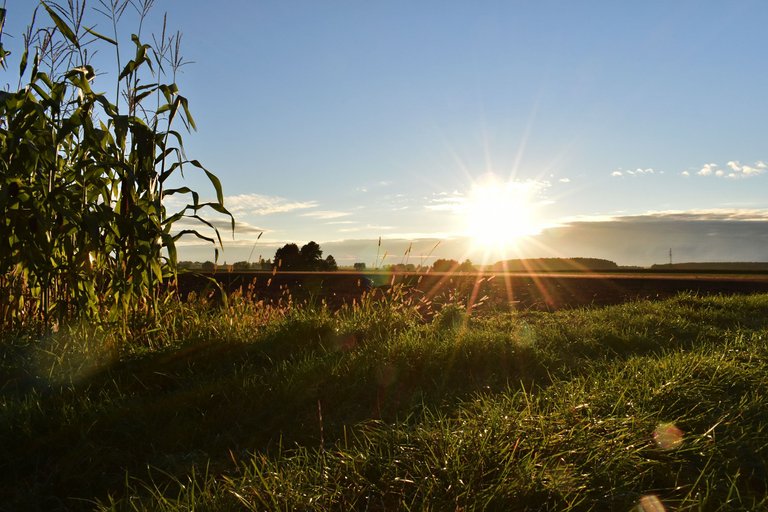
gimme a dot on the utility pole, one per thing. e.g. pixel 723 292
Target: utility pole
pixel 670 255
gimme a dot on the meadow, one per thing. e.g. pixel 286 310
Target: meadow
pixel 251 406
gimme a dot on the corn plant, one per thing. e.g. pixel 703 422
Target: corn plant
pixel 83 177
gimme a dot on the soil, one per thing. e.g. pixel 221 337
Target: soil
pixel 524 291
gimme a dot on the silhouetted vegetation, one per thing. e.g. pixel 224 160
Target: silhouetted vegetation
pixel 715 266
pixel 309 257
pixel 449 265
pixel 555 265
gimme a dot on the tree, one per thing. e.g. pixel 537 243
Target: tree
pixel 309 257
pixel 401 267
pixel 241 265
pixel 288 257
pixel 208 266
pixel 467 266
pixel 359 266
pixel 330 264
pixel 445 265
pixel 311 254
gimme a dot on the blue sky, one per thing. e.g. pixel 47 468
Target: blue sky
pixel 636 126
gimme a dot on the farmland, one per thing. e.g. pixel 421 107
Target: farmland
pixel 501 291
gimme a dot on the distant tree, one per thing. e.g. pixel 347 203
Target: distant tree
pixel 401 267
pixel 241 265
pixel 359 266
pixel 330 264
pixel 288 257
pixel 445 265
pixel 309 257
pixel 311 253
pixel 467 266
pixel 208 266
pixel 555 265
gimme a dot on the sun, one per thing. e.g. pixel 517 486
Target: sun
pixel 499 214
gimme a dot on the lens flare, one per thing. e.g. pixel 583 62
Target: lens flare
pixel 667 436
pixel 498 214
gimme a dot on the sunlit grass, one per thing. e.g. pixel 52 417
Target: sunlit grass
pixel 371 408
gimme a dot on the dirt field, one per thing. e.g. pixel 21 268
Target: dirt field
pixel 525 291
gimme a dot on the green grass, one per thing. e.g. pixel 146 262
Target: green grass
pixel 371 408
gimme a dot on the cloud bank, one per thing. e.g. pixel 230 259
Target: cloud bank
pixel 732 170
pixel 645 239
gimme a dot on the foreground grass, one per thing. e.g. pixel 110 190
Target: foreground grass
pixel 372 409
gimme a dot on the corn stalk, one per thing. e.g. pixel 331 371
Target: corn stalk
pixel 84 228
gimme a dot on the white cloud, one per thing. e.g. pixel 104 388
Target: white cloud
pixel 369 187
pixel 368 229
pixel 745 171
pixel 685 173
pixel 445 202
pixel 564 180
pixel 325 214
pixel 735 170
pixel 637 172
pixel 258 204
pixel 708 214
pixel 707 169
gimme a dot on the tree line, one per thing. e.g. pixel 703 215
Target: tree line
pixel 288 257
pixel 310 258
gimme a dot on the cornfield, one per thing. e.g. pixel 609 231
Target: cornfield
pixel 84 177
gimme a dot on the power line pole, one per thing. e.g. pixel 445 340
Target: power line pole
pixel 670 255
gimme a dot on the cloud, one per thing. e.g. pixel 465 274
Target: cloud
pixel 734 170
pixel 707 169
pixel 531 190
pixel 223 224
pixel 564 180
pixel 709 215
pixel 637 172
pixel 378 184
pixel 325 214
pixel 745 171
pixel 720 234
pixel 694 235
pixel 445 202
pixel 258 204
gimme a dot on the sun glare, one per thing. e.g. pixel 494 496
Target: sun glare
pixel 499 214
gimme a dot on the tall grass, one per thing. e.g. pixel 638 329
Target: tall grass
pixel 370 408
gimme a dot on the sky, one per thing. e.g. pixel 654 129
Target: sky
pixel 482 130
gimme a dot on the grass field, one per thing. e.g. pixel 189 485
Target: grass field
pixel 645 404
